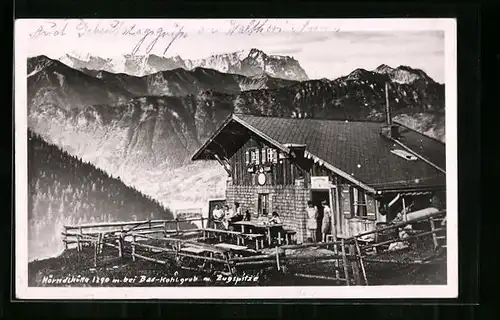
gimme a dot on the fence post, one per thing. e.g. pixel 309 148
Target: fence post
pixel 120 246
pixel 65 238
pixel 434 237
pixel 80 236
pixel 99 243
pixel 344 260
pixel 95 253
pixel 165 228
pixel 277 259
pixel 337 264
pixel 354 265
pixel 361 261
pixel 78 243
pixel 133 248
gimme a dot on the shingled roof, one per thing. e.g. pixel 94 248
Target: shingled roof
pixel 357 150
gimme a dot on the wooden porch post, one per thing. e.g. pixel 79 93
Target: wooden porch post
pixel 404 209
pixel 334 215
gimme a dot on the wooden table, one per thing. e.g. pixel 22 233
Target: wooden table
pixel 259 225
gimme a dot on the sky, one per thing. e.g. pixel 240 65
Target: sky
pixel 324 48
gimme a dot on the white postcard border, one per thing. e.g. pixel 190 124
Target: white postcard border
pixel 450 290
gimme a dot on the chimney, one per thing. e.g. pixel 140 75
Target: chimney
pixel 389 130
pixel 387 108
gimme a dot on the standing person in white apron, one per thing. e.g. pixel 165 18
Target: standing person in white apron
pixel 312 223
pixel 327 220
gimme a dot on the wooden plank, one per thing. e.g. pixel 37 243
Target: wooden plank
pixel 135 255
pixel 222 231
pixel 193 249
pixel 201 257
pixel 124 224
pixel 230 246
pixel 148 246
pixel 319 277
pixel 255 263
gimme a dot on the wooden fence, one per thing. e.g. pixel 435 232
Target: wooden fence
pixel 163 241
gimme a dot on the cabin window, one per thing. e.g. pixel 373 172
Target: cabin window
pixel 272 155
pixel 263 204
pixel 359 203
pixel 254 156
pixel 261 156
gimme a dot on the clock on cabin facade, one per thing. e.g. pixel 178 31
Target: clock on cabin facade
pixel 261 178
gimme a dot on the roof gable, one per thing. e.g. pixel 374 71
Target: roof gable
pixel 357 149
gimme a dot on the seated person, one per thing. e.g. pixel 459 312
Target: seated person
pixel 275 218
pixel 247 215
pixel 236 214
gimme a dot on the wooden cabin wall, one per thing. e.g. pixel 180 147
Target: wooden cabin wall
pixel 282 173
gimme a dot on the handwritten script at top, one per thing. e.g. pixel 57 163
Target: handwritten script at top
pixel 149 37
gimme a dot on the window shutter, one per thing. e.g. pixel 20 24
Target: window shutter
pixel 370 208
pixel 346 202
pixel 264 158
pixel 247 157
pixel 257 156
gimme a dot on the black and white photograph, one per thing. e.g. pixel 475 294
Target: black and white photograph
pixel 297 158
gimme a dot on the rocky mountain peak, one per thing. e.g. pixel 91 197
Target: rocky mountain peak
pixel 403 74
pixel 383 68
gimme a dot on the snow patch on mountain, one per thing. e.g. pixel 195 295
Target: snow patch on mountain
pixel 245 62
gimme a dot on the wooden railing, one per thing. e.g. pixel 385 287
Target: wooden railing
pixel 94 233
pixel 142 239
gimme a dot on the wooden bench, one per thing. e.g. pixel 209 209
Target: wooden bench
pixel 289 236
pixel 257 237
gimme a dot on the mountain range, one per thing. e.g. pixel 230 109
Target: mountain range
pixel 144 128
pixel 252 63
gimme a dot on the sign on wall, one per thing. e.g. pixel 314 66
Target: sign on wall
pixel 322 182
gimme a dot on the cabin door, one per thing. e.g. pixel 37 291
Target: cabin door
pixel 317 196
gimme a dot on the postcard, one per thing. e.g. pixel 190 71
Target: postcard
pixel 297 158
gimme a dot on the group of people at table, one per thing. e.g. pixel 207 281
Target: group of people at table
pixel 225 216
